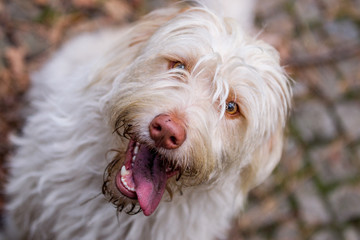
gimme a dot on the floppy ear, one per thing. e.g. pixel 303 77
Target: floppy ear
pixel 129 44
pixel 263 162
pixel 148 25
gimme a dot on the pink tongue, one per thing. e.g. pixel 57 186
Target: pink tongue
pixel 149 175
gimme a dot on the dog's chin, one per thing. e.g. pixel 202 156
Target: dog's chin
pixel 138 177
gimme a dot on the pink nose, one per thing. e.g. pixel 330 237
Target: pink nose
pixel 167 131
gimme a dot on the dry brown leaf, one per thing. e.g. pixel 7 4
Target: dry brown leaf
pixel 57 33
pixel 41 2
pixel 117 10
pixel 5 83
pixel 1 7
pixel 16 59
pixel 84 3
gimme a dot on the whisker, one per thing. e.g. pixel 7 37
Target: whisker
pixel 117 216
pixel 90 199
pixel 120 207
pixel 179 176
pixel 132 208
pixel 169 191
pixel 138 211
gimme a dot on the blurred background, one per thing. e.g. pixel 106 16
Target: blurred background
pixel 315 191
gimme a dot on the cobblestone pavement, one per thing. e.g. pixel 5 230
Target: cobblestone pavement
pixel 315 192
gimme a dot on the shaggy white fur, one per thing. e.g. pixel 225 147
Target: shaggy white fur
pixel 226 90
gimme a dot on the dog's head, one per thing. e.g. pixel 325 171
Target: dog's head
pixel 193 98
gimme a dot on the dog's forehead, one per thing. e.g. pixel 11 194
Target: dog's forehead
pixel 198 32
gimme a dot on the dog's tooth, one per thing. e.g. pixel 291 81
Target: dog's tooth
pixel 124 172
pixel 130 188
pixel 124 182
pixel 134 158
pixel 136 149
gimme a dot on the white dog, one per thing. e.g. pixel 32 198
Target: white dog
pixel 175 118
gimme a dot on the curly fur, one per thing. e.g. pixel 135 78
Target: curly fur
pixel 102 88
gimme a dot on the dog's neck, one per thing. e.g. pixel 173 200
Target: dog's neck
pixel 199 210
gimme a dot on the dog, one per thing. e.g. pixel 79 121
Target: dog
pixel 154 131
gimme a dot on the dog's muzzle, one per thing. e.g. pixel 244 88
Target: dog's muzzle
pixel 144 173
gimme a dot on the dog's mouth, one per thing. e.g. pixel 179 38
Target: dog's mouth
pixel 143 176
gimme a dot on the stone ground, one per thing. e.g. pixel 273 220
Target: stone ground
pixel 315 191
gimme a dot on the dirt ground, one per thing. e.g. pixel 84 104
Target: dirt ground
pixel 320 48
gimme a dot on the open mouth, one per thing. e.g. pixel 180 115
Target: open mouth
pixel 143 176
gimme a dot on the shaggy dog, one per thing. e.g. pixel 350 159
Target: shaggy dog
pixel 175 118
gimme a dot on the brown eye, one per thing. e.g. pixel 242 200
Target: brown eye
pixel 232 108
pixel 178 65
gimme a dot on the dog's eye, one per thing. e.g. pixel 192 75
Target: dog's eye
pixel 232 108
pixel 178 65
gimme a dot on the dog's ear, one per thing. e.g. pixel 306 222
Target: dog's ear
pixel 148 25
pixel 263 162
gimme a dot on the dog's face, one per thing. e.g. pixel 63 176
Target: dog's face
pixel 198 99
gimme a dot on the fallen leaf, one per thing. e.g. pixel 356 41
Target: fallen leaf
pixel 16 59
pixel 84 3
pixel 117 10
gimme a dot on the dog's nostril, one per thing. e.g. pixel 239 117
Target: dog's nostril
pixel 157 127
pixel 173 140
